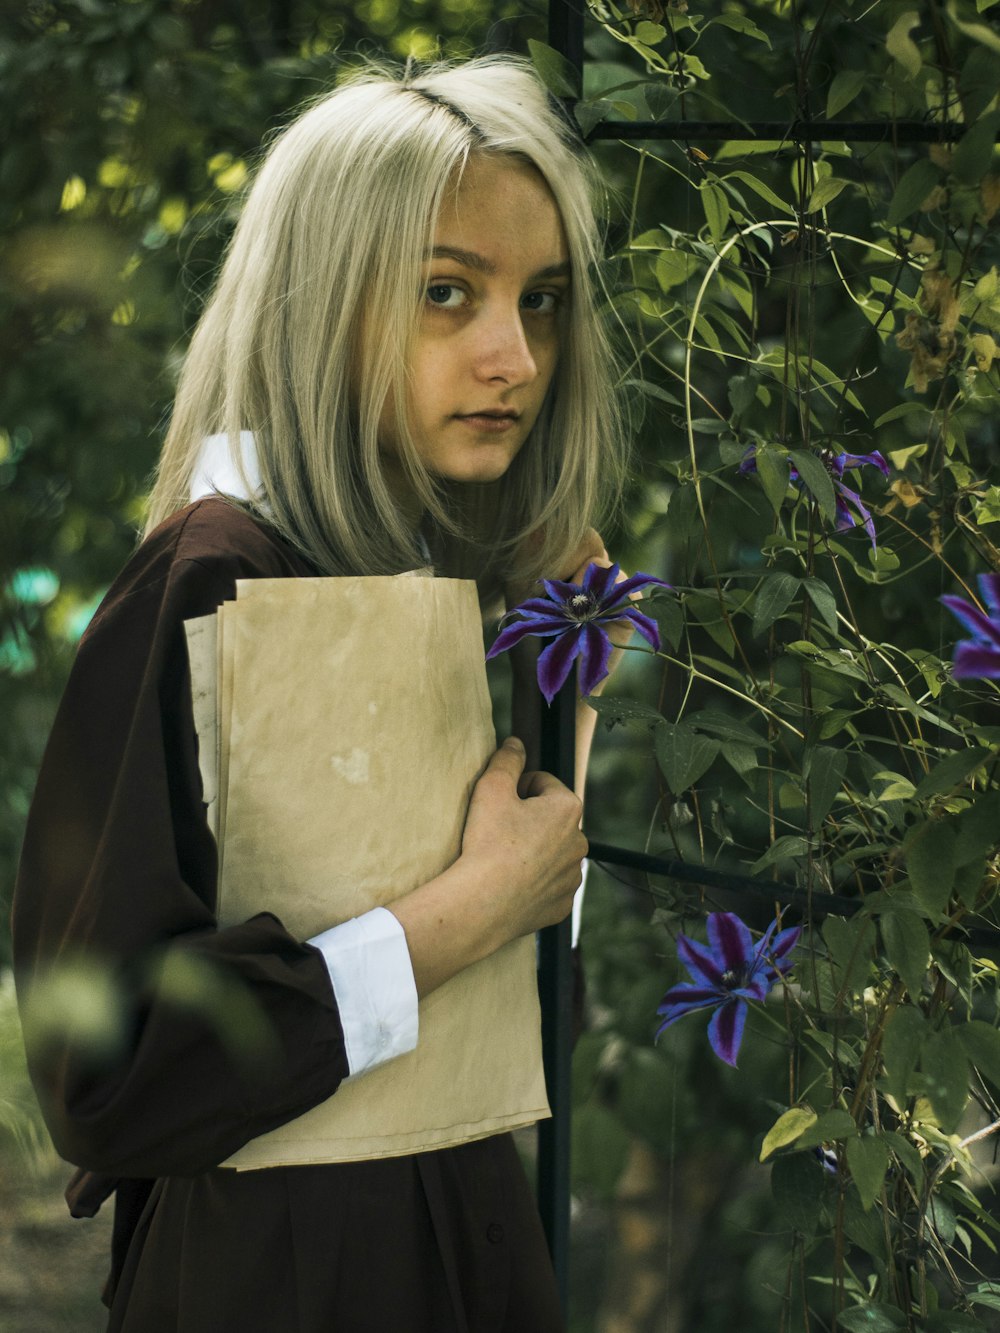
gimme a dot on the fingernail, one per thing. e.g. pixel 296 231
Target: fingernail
pixel 514 743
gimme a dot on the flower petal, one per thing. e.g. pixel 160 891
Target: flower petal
pixel 555 661
pixel 973 619
pixel 702 963
pixel 622 591
pixel 974 661
pixel 595 653
pixel 513 634
pixel 859 460
pixel 598 581
pixel 989 588
pixel 560 591
pixel 731 941
pixel 540 606
pixel 647 628
pixel 725 1031
pixel 784 943
pixel 685 999
pixel 846 518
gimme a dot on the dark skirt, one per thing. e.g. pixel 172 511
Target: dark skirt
pixel 444 1242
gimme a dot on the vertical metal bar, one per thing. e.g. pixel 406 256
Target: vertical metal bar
pixel 566 30
pixel 555 986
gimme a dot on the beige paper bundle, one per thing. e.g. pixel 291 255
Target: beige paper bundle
pixel 352 720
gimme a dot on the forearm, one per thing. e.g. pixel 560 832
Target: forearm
pixel 446 927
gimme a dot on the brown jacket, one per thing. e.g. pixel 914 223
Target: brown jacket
pixel 119 868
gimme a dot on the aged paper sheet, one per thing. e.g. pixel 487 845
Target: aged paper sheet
pixel 353 720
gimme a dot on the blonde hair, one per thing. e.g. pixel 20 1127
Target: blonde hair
pixel 335 227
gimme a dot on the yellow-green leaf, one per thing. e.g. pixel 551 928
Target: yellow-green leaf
pixel 786 1129
pixel 901 45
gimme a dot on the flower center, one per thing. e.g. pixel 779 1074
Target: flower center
pixel 731 979
pixel 582 606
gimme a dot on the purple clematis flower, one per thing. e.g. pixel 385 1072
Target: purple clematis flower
pixel 849 505
pixel 731 971
pixel 980 655
pixel 575 615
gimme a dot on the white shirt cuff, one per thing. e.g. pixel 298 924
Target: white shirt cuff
pixel 372 977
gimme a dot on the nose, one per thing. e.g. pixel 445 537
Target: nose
pixel 503 354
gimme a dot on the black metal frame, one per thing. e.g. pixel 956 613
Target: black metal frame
pixel 565 34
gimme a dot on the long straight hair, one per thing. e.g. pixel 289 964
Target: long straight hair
pixel 309 331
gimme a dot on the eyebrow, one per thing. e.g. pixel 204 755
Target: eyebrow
pixel 470 259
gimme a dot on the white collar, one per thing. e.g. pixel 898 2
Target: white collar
pixel 216 472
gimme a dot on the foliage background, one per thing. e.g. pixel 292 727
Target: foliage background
pixel 133 125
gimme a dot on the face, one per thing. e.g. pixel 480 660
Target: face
pixel 488 341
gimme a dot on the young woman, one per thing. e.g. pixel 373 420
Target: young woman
pixel 400 362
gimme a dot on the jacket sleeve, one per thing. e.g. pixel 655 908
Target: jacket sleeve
pixel 214 1036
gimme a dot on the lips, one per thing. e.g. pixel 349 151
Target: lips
pixel 489 422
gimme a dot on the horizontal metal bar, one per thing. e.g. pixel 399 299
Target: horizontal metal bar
pixel 796 131
pixel 820 903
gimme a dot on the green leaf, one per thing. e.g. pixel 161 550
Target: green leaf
pixel 978 828
pixel 930 862
pixel 674 267
pixel 981 1042
pixel 789 847
pixel 864 1229
pixel 868 1158
pixel 872 1319
pixel 559 75
pixel 946 1069
pixel 908 948
pixel 822 597
pixel 901 45
pixel 772 468
pixel 726 727
pixel 683 754
pixel 669 617
pixel 831 1126
pixel 652 390
pixel 851 943
pixel 650 34
pixel 786 1129
pixel 914 186
pixel 900 410
pixel 843 90
pixel 979 32
pixel 951 1321
pixel 797 1185
pixel 824 193
pixel 950 771
pixel 615 710
pixel 740 23
pixel 908 1154
pixel 825 769
pixel 716 206
pixel 833 721
pixel 974 152
pixel 901 1044
pixel 818 480
pixel 775 596
pixel 764 191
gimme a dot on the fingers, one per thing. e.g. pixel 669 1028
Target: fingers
pixel 538 783
pixel 508 760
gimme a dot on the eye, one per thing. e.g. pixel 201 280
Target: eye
pixel 541 303
pixel 445 295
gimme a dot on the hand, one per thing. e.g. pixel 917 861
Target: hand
pixel 523 843
pixel 522 852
